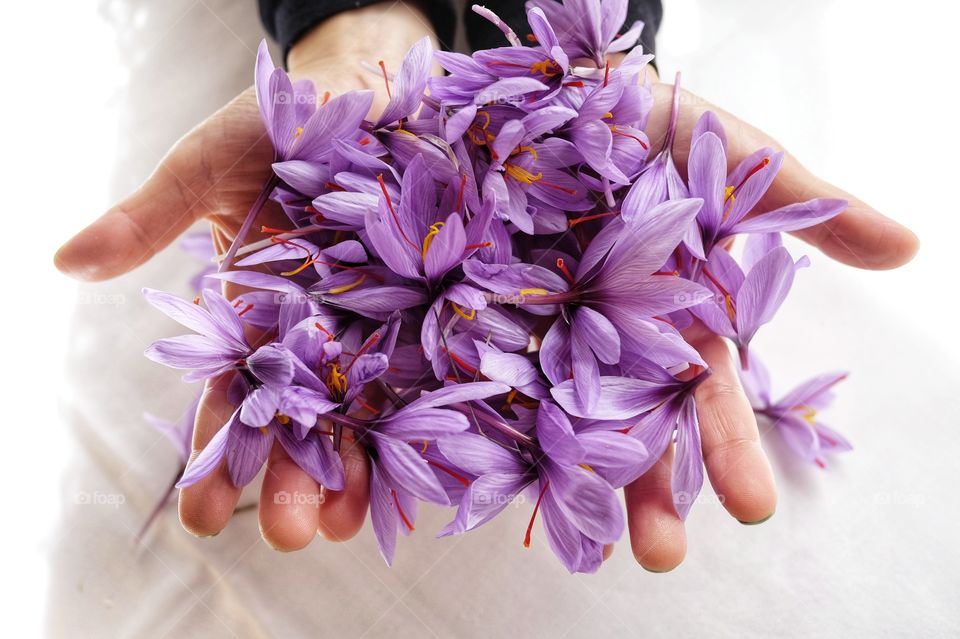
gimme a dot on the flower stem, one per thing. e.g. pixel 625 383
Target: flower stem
pixel 152 517
pixel 268 188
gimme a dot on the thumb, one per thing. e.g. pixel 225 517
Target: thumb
pixel 135 229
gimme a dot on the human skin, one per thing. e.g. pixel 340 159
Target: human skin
pixel 216 170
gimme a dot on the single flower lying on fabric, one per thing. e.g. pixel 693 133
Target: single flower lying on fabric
pixel 485 288
pixel 794 416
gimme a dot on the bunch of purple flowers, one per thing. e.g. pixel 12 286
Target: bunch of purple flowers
pixel 486 286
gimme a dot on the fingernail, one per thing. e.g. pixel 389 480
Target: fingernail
pixel 656 572
pixel 758 522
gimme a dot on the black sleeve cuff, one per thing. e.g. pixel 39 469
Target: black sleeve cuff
pixel 288 20
pixel 483 35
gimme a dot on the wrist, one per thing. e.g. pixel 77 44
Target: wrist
pixel 384 31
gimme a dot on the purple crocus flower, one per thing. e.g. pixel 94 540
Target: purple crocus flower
pixel 590 28
pixel 302 134
pixel 246 448
pixel 610 297
pixel 576 474
pixel 180 432
pixel 414 237
pixel 794 416
pixel 747 298
pixel 399 470
pixel 728 199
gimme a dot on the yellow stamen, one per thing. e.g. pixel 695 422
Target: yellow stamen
pixel 529 149
pixel 731 311
pixel 404 131
pixel 809 415
pixel 428 240
pixel 263 429
pixel 731 198
pixel 425 445
pixel 585 467
pixel 520 174
pixel 534 291
pixel 348 287
pixel 545 67
pixel 299 132
pixel 459 311
pixel 336 381
pixel 308 262
pixel 283 419
pixel 608 115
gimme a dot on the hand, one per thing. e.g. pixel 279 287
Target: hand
pixel 735 462
pixel 214 172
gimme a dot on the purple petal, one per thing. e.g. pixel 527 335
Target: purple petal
pixel 688 463
pixel 211 455
pixel 556 436
pixel 247 450
pixel 620 398
pixel 315 455
pixel 407 469
pixel 271 365
pixel 478 455
pixel 793 217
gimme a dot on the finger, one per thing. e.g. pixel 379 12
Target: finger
pixel 206 506
pixel 607 551
pixel 342 512
pixel 288 503
pixel 137 227
pixel 736 464
pixel 860 236
pixel 657 536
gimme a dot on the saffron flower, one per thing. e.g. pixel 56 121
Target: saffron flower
pixel 794 416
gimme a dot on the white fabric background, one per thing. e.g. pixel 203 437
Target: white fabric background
pixel 859 91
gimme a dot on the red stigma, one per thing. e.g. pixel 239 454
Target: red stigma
pixel 323 330
pixel 363 349
pixel 460 478
pixel 532 38
pixel 367 406
pixel 386 80
pixel 463 186
pixel 588 218
pixel 557 187
pixel 536 507
pixel 606 74
pixel 364 141
pixel 246 309
pixel 632 137
pixel 574 83
pixel 196 300
pixel 393 212
pixel 563 269
pixel 459 361
pixel 396 502
pixel 326 98
pixel 756 169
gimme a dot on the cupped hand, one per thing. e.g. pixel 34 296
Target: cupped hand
pixel 215 172
pixel 735 463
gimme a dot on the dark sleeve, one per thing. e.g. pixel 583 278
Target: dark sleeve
pixel 287 20
pixel 483 35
